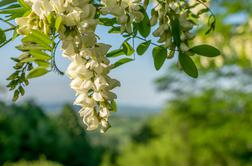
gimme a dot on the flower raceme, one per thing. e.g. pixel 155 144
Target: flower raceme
pixel 89 67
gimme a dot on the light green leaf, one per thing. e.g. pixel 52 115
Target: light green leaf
pixel 23 4
pixel 58 23
pixel 37 72
pixel 39 38
pixel 121 62
pixel 205 50
pixel 41 63
pixel 40 55
pixel 188 65
pixel 143 47
pixel 127 48
pixel 159 55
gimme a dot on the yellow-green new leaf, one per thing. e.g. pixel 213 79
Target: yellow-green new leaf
pixel 37 72
pixel 39 55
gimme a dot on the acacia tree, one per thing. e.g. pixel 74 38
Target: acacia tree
pixel 43 24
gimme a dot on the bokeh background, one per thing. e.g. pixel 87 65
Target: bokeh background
pixel 164 118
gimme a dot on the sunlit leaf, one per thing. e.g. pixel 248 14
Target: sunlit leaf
pixel 37 72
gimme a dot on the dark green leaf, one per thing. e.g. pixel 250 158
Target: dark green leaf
pixel 143 47
pixel 115 53
pixel 37 72
pixel 15 96
pixel 188 65
pixel 121 62
pixel 108 21
pixel 144 27
pixel 2 36
pixel 115 30
pixel 114 106
pixel 159 55
pixel 6 2
pixel 176 31
pixel 21 90
pixel 205 50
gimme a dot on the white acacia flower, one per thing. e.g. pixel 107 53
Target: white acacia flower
pixel 42 8
pixel 100 83
pixel 72 18
pixel 89 118
pixel 58 6
pixel 84 100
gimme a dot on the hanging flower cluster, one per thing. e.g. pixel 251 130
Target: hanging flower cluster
pixel 175 25
pixel 126 12
pixel 89 67
pixel 45 23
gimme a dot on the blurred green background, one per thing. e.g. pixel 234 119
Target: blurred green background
pixel 205 122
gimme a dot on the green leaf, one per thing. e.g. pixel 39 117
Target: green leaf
pixel 18 12
pixel 159 55
pixel 21 90
pixel 2 36
pixel 37 72
pixel 6 2
pixel 26 60
pixel 176 31
pixel 39 55
pixel 127 48
pixel 40 35
pixel 108 21
pixel 143 47
pixel 39 38
pixel 121 62
pixel 114 106
pixel 41 63
pixel 23 4
pixel 115 53
pixel 115 30
pixel 188 65
pixel 15 96
pixel 58 23
pixel 205 50
pixel 144 27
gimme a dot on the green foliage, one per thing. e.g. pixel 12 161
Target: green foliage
pixel 26 133
pixel 205 129
pixel 41 162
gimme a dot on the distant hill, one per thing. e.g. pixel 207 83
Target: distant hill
pixel 123 110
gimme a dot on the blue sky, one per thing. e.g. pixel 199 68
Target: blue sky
pixel 137 87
